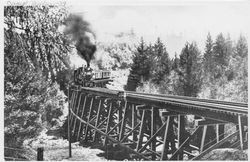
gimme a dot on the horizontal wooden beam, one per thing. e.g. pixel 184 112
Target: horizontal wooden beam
pixel 171 113
pixel 188 153
pixel 203 122
pixel 194 147
pixel 129 143
pixel 143 107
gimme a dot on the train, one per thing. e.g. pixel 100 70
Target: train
pixel 87 77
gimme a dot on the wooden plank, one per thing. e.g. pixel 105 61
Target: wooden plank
pixel 208 122
pixel 77 111
pixel 134 122
pixel 217 133
pixel 221 131
pixel 69 131
pixel 240 132
pixel 108 122
pixel 73 105
pixel 188 153
pixel 171 133
pixel 181 132
pixel 139 143
pixel 119 116
pixel 88 117
pixel 171 113
pixel 165 143
pixel 104 92
pixel 128 143
pixel 203 137
pixel 215 145
pixel 143 107
pixel 194 147
pixel 83 109
pixel 153 128
pixel 123 121
pixel 137 107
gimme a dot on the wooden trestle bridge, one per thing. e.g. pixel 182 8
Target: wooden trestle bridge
pixel 154 127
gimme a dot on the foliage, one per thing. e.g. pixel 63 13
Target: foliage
pixel 33 30
pixel 140 69
pixel 28 103
pixel 208 59
pixel 228 79
pixel 114 56
pixel 34 52
pixel 190 74
pixel 64 78
pixel 220 73
pixel 150 63
pixel 161 63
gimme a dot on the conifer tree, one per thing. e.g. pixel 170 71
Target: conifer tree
pixel 175 62
pixel 140 68
pixel 190 70
pixel 222 52
pixel 161 66
pixel 208 56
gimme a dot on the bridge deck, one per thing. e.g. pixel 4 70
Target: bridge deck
pixel 214 109
pixel 143 123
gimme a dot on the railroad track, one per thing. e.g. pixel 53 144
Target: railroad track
pixel 214 109
pixel 214 105
pixel 241 104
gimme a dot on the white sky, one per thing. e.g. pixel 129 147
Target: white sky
pixel 175 23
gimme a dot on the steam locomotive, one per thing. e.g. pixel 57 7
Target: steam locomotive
pixel 86 77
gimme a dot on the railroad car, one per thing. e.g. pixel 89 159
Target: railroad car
pixel 86 77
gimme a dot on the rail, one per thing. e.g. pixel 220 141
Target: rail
pixel 214 109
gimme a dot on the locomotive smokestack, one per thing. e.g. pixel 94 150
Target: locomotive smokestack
pixel 81 34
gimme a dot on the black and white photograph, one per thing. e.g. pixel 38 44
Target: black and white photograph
pixel 123 80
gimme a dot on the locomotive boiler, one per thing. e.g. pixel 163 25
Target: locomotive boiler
pixel 87 77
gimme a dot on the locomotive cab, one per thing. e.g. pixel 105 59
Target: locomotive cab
pixel 86 77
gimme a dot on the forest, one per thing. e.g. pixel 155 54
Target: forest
pixel 38 69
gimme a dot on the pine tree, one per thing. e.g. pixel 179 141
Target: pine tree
pixel 208 59
pixel 140 68
pixel 175 63
pixel 161 66
pixel 190 71
pixel 222 51
pixel 241 49
pixel 34 51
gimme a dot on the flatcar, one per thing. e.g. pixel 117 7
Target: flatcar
pixel 86 77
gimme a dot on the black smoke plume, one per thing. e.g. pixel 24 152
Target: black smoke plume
pixel 80 32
